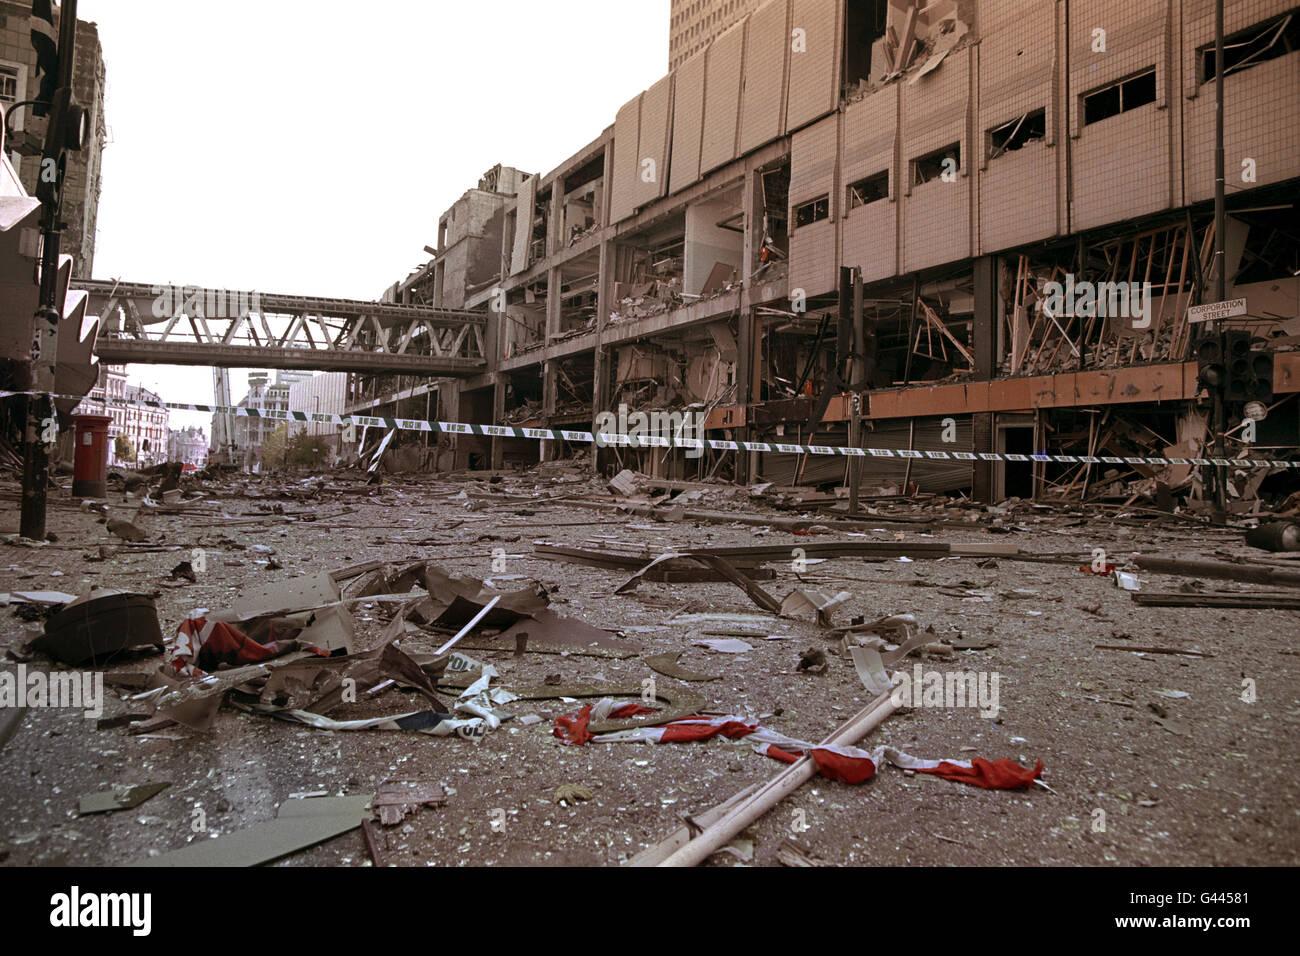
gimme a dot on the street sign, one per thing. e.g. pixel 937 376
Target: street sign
pixel 1213 311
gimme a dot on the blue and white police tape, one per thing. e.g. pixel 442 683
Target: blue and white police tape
pixel 604 439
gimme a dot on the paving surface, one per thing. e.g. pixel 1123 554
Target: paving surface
pixel 1151 758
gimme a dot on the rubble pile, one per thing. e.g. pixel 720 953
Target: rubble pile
pixel 418 666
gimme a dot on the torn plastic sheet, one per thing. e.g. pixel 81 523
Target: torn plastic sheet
pixel 854 765
pixel 201 645
pixel 572 728
pixel 871 670
pixel 478 700
pixel 272 619
pixel 424 721
pixel 851 765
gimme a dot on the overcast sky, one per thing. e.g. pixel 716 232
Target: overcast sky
pixel 309 146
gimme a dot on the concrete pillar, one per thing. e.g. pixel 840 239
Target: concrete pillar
pixel 448 410
pixel 549 401
pixel 554 282
pixel 555 222
pixel 984 333
pixel 984 330
pixel 498 413
pixel 982 435
pixel 748 337
pixel 600 355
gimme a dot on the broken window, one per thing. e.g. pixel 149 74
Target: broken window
pixel 869 190
pixel 1272 248
pixel 1018 132
pixel 864 24
pixel 945 162
pixel 1120 97
pixel 776 201
pixel 1255 45
pixel 813 211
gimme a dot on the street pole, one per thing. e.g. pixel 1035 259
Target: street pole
pixel 1220 257
pixel 39 427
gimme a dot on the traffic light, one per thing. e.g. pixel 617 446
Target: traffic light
pixel 1210 369
pixel 45 40
pixel 1250 373
pixel 68 125
pixel 68 128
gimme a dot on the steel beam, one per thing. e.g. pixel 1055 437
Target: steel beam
pixel 354 335
pixel 122 351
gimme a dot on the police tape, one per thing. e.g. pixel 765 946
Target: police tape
pixel 605 439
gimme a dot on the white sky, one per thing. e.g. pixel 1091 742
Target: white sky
pixel 309 146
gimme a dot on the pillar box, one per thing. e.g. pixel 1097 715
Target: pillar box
pixel 90 461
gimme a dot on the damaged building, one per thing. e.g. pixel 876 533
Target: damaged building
pixel 824 199
pixel 988 557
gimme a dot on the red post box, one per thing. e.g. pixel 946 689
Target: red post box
pixel 90 462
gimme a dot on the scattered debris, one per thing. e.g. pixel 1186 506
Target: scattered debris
pixel 667 665
pixel 820 603
pixel 791 855
pixel 570 793
pixel 1142 649
pixel 724 645
pixel 1286 602
pixel 97 627
pixel 1275 536
pixel 119 797
pixel 126 530
pixel 813 661
pixel 298 825
pixel 397 799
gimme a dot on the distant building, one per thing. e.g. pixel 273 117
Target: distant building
pixel 251 431
pixel 188 445
pixel 145 428
pixel 292 376
pixel 323 394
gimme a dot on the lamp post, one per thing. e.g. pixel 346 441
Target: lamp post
pixel 66 129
